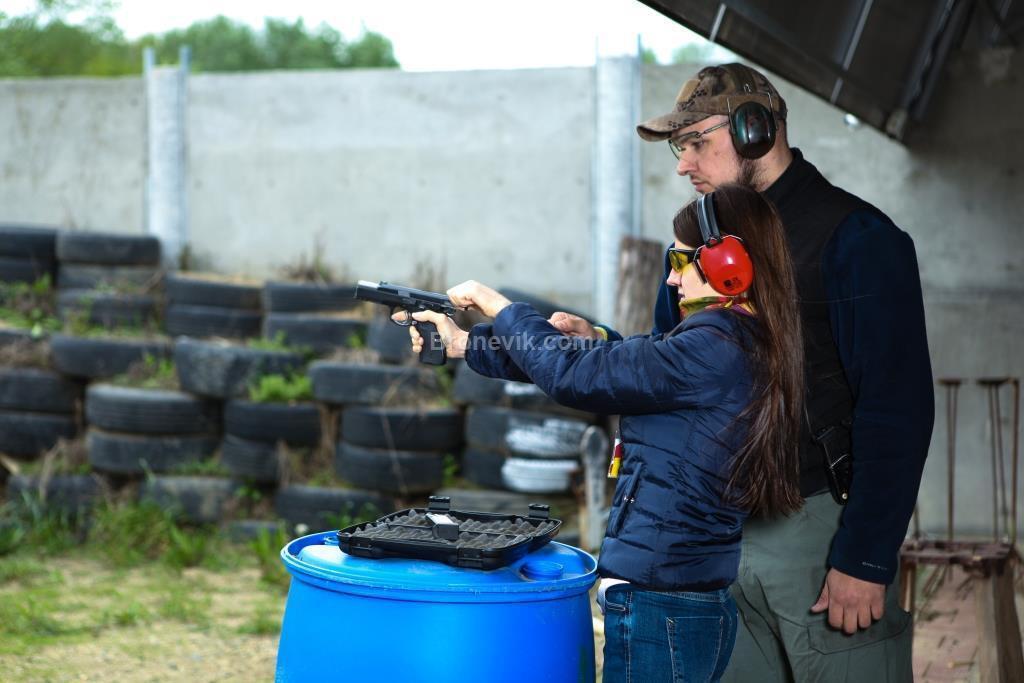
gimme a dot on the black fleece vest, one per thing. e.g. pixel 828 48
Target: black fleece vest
pixel 811 209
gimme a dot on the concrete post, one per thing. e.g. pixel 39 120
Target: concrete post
pixel 166 209
pixel 616 172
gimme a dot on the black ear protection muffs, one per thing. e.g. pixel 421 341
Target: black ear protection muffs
pixel 722 261
pixel 751 124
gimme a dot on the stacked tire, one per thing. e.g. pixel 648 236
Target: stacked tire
pixel 385 444
pixel 37 409
pixel 402 451
pixel 27 252
pixel 256 436
pixel 107 279
pixel 517 438
pixel 202 307
pixel 133 432
pixel 314 316
pixel 91 358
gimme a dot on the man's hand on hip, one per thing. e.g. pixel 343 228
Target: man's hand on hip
pixel 851 602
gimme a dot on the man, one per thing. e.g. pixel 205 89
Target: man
pixel 817 591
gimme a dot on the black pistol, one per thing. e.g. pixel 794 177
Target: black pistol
pixel 397 297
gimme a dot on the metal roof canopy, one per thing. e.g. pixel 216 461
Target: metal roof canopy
pixel 879 60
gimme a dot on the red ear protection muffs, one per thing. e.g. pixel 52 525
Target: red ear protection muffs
pixel 751 124
pixel 723 261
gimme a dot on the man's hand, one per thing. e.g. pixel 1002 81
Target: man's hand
pixel 472 294
pixel 453 337
pixel 851 602
pixel 573 326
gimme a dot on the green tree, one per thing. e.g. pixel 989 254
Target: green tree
pixel 693 53
pixel 43 43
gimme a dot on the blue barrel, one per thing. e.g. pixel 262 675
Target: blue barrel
pixel 405 621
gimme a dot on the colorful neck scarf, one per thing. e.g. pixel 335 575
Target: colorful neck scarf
pixel 688 307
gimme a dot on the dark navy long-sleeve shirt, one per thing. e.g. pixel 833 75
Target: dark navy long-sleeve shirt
pixel 876 312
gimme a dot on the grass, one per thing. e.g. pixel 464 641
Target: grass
pixel 39 606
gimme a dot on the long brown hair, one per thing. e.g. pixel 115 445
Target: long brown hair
pixel 764 476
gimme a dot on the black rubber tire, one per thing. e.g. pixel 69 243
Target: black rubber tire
pixel 410 429
pixel 521 432
pixel 179 288
pixel 302 297
pixel 224 371
pixel 108 249
pixel 473 388
pixel 470 387
pixel 247 460
pixel 134 454
pixel 68 493
pixel 312 506
pixel 23 270
pixel 26 435
pixel 483 467
pixel 246 530
pixel 390 341
pixel 341 383
pixel 101 358
pixel 296 424
pixel 212 321
pixel 398 472
pixel 199 500
pixel 320 333
pixel 10 336
pixel 31 242
pixel 149 411
pixel 42 391
pixel 85 276
pixel 107 309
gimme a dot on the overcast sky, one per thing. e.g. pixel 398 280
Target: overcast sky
pixel 443 34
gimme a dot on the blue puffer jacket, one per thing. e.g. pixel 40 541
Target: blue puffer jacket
pixel 679 396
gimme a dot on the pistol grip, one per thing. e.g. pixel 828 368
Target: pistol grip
pixel 432 352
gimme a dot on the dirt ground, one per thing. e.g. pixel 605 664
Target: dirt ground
pixel 76 619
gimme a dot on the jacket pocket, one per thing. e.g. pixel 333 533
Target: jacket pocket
pixel 625 502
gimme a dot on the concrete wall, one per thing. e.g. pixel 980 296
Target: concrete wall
pixel 958 190
pixel 479 174
pixel 72 152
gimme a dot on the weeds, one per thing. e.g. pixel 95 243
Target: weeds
pixel 152 372
pixel 451 470
pixel 187 548
pixel 30 306
pixel 267 549
pixel 131 534
pixel 211 467
pixel 279 342
pixel 282 389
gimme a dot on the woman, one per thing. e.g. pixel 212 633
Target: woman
pixel 709 418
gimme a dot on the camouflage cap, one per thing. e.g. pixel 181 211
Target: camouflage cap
pixel 715 90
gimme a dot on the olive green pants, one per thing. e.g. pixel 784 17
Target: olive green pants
pixel 779 640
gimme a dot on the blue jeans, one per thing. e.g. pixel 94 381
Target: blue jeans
pixel 654 636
